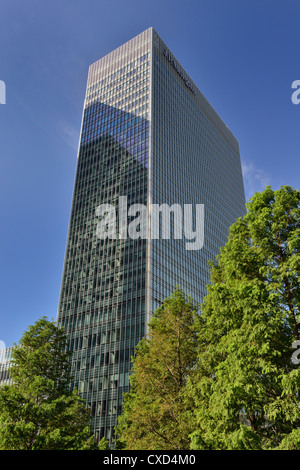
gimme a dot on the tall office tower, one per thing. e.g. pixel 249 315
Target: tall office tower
pixel 148 137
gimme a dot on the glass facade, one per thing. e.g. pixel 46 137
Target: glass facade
pixel 5 362
pixel 195 160
pixel 147 134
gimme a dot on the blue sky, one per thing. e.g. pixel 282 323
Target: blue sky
pixel 243 55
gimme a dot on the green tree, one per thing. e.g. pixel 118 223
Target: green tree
pixel 38 409
pixel 246 387
pixel 103 444
pixel 157 413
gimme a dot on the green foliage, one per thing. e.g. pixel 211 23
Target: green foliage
pixel 223 379
pixel 103 444
pixel 38 411
pixel 246 386
pixel 157 412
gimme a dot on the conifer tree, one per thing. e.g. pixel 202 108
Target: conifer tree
pixel 157 413
pixel 246 387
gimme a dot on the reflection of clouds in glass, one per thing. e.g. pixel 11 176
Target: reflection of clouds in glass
pixel 129 130
pixel 255 179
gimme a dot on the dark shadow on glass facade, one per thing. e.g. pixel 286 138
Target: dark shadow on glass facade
pixel 102 304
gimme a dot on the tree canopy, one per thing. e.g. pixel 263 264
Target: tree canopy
pixel 241 390
pixel 157 410
pixel 38 409
pixel 246 388
pixel 218 376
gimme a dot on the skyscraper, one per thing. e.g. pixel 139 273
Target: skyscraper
pixel 148 137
